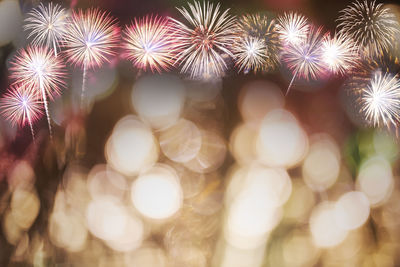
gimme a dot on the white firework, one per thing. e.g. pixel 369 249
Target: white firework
pixel 203 42
pixel 292 28
pixel 381 99
pixel 250 53
pixel 47 25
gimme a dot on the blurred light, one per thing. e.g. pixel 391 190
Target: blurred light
pixel 156 193
pixel 352 210
pixel 299 250
pixel 131 147
pixel 204 90
pixel 281 141
pixel 10 21
pixel 385 145
pixel 300 203
pixel 67 229
pixel 158 99
pixel 323 226
pixel 192 183
pixel 322 165
pixel 25 207
pixel 257 98
pixel 232 256
pixel 243 144
pixel 255 198
pixel 146 256
pixel 211 155
pixel 21 176
pixel 103 181
pixel 181 142
pixel 99 83
pixel 111 222
pixel 375 180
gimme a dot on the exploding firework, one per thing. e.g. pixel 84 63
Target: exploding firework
pixel 149 43
pixel 370 25
pixel 305 58
pixel 339 53
pixel 257 29
pixel 91 40
pixel 292 28
pixel 209 34
pixel 39 67
pixel 21 106
pixel 381 99
pixel 47 25
pixel 250 53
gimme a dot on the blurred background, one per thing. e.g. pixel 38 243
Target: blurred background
pixel 165 171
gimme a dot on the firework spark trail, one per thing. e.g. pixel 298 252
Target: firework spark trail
pixel 292 28
pixel 305 58
pixel 372 26
pixel 256 29
pixel 47 25
pixel 21 106
pixel 339 53
pixel 91 40
pixel 381 99
pixel 149 43
pixel 209 34
pixel 38 66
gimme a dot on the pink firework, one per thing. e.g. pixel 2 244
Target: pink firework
pixel 39 67
pixel 305 58
pixel 149 43
pixel 92 38
pixel 21 106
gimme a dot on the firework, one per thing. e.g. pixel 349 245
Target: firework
pixel 91 40
pixel 47 25
pixel 381 99
pixel 21 106
pixel 149 43
pixel 39 67
pixel 209 34
pixel 292 28
pixel 250 53
pixel 257 29
pixel 339 53
pixel 305 58
pixel 370 25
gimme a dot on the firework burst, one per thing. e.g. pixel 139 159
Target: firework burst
pixel 47 25
pixel 381 99
pixel 149 43
pixel 257 29
pixel 91 40
pixel 339 53
pixel 292 28
pixel 370 25
pixel 39 67
pixel 305 58
pixel 250 53
pixel 21 106
pixel 201 44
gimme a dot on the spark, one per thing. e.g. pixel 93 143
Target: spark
pixel 47 25
pixel 149 43
pixel 370 25
pixel 381 99
pixel 339 53
pixel 250 53
pixel 305 58
pixel 20 105
pixel 257 29
pixel 38 66
pixel 91 40
pixel 203 43
pixel 292 28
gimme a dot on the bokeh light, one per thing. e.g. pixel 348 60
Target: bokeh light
pixel 156 193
